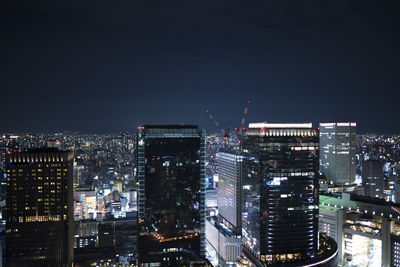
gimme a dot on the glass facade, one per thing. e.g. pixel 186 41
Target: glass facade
pixel 372 178
pixel 338 151
pixel 229 188
pixel 280 193
pixel 171 195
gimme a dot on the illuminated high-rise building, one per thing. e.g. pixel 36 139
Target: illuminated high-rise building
pixel 171 194
pixel 230 188
pixel 338 152
pixel 223 232
pixel 372 178
pixel 125 141
pixel 280 192
pixel 8 143
pixel 39 208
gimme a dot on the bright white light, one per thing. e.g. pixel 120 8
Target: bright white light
pixel 280 125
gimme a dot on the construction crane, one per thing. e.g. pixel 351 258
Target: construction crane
pixel 239 132
pixel 225 132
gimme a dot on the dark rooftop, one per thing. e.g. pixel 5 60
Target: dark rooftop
pixel 171 126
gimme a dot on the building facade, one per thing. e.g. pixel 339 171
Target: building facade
pixel 280 192
pixel 39 220
pixel 338 152
pixel 223 232
pixel 224 247
pixel 373 181
pixel 8 143
pixel 171 194
pixel 230 188
pixel 367 230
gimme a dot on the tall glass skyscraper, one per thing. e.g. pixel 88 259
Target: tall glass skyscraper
pixel 171 194
pixel 338 152
pixel 39 208
pixel 373 179
pixel 280 192
pixel 223 232
pixel 230 188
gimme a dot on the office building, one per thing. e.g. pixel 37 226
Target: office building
pixel 78 174
pixel 126 141
pixel 223 232
pixel 224 246
pixel 8 143
pixel 373 181
pixel 367 230
pixel 230 188
pixel 85 234
pixel 110 242
pixel 338 151
pixel 171 194
pixel 39 220
pixel 211 198
pixel 280 193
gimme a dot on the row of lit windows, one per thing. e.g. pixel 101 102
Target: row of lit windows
pixel 58 177
pixel 52 218
pixel 280 257
pixel 39 170
pixel 45 203
pixel 40 190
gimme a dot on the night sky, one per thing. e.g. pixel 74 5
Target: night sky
pixel 105 66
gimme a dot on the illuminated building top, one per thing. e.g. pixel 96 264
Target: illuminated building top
pixel 280 125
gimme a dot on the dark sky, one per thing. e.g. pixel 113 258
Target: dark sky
pixel 102 66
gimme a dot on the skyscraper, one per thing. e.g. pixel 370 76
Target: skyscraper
pixel 230 188
pixel 223 232
pixel 280 192
pixel 8 143
pixel 171 194
pixel 372 178
pixel 338 152
pixel 39 208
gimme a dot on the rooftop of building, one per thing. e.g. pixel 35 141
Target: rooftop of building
pixel 46 154
pixel 359 198
pixel 362 204
pixel 40 150
pixel 307 125
pixel 169 126
pixel 223 229
pixel 329 124
pixel 280 130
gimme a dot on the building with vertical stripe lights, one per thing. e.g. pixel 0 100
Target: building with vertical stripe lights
pixel 39 208
pixel 280 195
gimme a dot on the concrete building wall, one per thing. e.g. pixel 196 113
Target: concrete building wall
pixel 228 247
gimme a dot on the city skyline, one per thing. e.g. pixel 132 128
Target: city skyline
pixel 226 133
pixel 108 197
pixel 105 67
pixel 211 129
